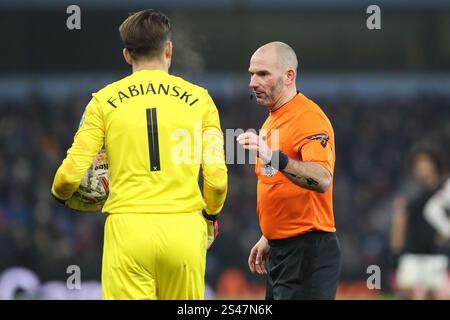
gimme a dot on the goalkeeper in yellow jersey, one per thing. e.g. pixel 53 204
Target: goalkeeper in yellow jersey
pixel 158 130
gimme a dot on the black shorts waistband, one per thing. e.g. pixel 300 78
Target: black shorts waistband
pixel 304 237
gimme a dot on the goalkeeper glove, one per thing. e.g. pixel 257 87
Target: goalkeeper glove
pixel 213 227
pixel 76 204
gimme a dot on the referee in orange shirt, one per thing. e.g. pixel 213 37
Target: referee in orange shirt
pixel 295 164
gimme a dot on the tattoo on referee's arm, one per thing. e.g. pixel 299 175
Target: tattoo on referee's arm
pixel 311 182
pixel 290 174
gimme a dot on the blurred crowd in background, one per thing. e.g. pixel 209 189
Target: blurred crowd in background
pixel 373 138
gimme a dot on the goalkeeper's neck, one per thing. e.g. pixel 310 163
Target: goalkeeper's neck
pixel 151 65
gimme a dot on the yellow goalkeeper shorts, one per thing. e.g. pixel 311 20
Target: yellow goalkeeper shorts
pixel 154 256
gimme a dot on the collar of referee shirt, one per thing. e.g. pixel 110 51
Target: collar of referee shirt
pixel 288 103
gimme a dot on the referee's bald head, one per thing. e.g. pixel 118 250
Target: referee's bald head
pixel 273 72
pixel 284 56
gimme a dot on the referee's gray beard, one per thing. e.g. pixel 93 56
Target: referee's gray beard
pixel 274 94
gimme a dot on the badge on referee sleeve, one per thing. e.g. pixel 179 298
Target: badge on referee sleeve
pixel 318 149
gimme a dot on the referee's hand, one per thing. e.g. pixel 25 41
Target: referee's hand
pixel 258 256
pixel 251 141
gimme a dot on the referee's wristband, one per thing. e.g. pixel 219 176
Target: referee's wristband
pixel 210 217
pixel 279 160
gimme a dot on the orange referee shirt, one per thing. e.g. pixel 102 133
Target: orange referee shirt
pixel 304 133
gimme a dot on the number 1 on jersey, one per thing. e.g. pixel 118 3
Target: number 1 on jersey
pixel 153 144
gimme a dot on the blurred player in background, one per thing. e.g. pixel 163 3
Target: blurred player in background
pixel 157 130
pixel 437 212
pixel 422 268
pixel 295 186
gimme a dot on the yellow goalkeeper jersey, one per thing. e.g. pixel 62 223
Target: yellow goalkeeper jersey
pixel 158 129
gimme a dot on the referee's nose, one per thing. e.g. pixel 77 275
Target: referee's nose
pixel 253 82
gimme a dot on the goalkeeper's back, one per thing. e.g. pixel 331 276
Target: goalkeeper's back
pixel 157 130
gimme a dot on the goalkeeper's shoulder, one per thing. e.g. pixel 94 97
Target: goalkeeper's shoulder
pixel 107 95
pixel 201 95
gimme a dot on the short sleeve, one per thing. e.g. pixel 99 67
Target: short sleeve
pixel 314 140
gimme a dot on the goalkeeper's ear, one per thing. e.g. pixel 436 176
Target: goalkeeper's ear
pixel 127 56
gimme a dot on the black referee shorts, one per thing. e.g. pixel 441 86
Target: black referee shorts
pixel 304 267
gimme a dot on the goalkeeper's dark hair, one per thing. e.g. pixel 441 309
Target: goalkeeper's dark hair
pixel 145 33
